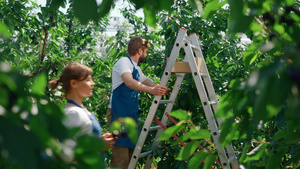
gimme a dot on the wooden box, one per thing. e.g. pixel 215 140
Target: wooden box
pixel 183 67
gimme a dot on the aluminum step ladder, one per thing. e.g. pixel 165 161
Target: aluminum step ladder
pixel 193 56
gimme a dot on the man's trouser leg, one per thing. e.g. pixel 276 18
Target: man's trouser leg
pixel 120 157
pixel 108 116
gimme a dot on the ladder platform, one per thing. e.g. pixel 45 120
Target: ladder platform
pixel 184 67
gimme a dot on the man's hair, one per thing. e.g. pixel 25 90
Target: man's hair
pixel 135 44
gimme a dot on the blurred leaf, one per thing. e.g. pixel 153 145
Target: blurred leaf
pixel 274 160
pixel 256 153
pixel 208 162
pixel 201 134
pixel 4 30
pixel 195 161
pixel 57 3
pixel 39 85
pixel 167 134
pixel 131 128
pixel 150 17
pixel 188 150
pixel 105 7
pixel 115 125
pixel 86 10
pixel 21 145
pixel 180 114
pixel 212 7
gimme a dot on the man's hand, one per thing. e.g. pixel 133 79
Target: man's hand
pixel 168 92
pixel 158 90
pixel 109 140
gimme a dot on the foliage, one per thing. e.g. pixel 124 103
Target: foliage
pixel 261 111
pixel 260 106
pixel 31 129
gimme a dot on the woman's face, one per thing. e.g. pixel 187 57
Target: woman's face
pixel 85 87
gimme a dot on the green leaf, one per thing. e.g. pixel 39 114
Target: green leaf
pixel 181 114
pixel 208 162
pixel 201 134
pixel 188 150
pixel 150 18
pixel 131 128
pixel 169 132
pixel 165 4
pixel 57 3
pixel 238 22
pixel 279 28
pixel 21 145
pixel 4 30
pixel 274 160
pixel 195 161
pixel 250 56
pixel 39 85
pixel 115 125
pixel 89 143
pixel 86 10
pixel 212 7
pixel 105 7
pixel 256 153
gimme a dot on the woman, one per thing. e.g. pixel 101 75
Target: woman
pixel 77 83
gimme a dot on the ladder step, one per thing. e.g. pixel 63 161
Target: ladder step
pixel 231 159
pixel 155 128
pixel 166 101
pixel 203 74
pixel 194 47
pixel 213 102
pixel 145 153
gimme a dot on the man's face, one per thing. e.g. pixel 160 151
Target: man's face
pixel 143 56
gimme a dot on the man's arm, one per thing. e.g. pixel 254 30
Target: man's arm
pixel 149 82
pixel 138 86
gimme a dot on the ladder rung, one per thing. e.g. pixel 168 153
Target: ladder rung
pixel 231 159
pixel 166 101
pixel 203 74
pixel 155 128
pixel 213 102
pixel 145 153
pixel 194 47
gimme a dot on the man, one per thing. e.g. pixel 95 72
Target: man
pixel 127 80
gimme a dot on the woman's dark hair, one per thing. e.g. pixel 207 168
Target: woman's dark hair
pixel 74 71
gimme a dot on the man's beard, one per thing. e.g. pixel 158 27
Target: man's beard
pixel 142 59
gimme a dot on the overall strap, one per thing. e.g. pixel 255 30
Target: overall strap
pixel 131 61
pixel 72 102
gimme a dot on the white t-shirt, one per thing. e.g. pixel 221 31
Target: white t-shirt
pixel 77 117
pixel 123 65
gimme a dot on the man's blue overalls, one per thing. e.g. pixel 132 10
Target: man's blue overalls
pixel 125 103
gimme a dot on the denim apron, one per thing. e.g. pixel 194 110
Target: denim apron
pixel 125 103
pixel 95 123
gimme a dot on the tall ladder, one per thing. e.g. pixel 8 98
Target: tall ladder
pixel 207 96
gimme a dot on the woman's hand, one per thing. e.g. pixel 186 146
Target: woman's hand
pixel 109 140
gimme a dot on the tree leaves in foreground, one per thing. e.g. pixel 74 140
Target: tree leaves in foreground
pixel 31 130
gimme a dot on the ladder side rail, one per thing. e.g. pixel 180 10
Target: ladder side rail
pixel 212 95
pixel 207 79
pixel 144 132
pixel 155 102
pixel 164 119
pixel 173 56
pixel 206 106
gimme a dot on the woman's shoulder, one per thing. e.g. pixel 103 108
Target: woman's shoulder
pixel 72 109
